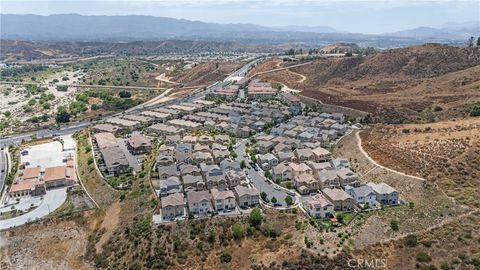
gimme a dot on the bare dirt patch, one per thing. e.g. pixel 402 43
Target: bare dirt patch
pixel 109 224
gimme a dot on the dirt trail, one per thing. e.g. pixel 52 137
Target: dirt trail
pixel 164 78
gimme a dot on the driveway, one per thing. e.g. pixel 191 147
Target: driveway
pixel 51 201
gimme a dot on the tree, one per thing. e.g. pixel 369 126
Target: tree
pixel 274 200
pixel 470 42
pixel 62 88
pixel 124 94
pixel 478 41
pixel 62 115
pixel 394 225
pixel 268 174
pixel 243 165
pixel 238 231
pixel 255 218
pixel 263 195
pixel 289 200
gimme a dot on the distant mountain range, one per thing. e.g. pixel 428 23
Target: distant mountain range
pixel 454 31
pixel 74 27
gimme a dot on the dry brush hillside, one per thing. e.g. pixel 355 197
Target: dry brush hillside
pixel 427 82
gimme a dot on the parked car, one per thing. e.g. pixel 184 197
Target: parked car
pixel 291 193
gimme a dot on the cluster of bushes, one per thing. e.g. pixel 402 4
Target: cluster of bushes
pixel 17 71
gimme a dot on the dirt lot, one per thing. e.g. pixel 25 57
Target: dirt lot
pixel 52 245
pixel 445 153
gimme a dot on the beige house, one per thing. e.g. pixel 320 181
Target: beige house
pixel 322 154
pixel 173 206
pixel 246 196
pixel 318 207
pixel 223 200
pixel 340 199
pixel 306 184
pixel 282 172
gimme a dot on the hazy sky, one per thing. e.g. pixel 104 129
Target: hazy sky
pixel 353 16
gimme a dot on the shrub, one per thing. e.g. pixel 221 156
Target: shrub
pixel 255 217
pixel 238 231
pixel 411 240
pixel 475 109
pixel 423 257
pixel 394 225
pixel 225 257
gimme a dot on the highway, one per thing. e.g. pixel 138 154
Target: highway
pixel 74 127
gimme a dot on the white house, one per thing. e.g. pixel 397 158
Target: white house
pixel 385 193
pixel 362 195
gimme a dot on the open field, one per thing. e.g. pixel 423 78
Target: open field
pixel 446 153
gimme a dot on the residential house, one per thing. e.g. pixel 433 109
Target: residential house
pixel 169 186
pixel 165 172
pixel 286 156
pixel 199 202
pixel 235 178
pixel 338 163
pixel 246 196
pixel 300 169
pixel 166 150
pixel 318 207
pixel 229 165
pixel 305 183
pixel 193 182
pixel 202 157
pixel 328 179
pixel 304 155
pixel 173 206
pixel 348 178
pixel 340 199
pixel 281 147
pixel 163 160
pixel 223 200
pixel 264 147
pixel 282 172
pixel 322 154
pixel 386 194
pixel 267 161
pixel 363 195
pixel 219 155
pixel 183 153
pixel 139 144
pixel 188 169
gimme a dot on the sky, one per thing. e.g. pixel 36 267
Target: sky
pixel 361 16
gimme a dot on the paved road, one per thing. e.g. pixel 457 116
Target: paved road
pixel 3 167
pixel 258 179
pixel 51 201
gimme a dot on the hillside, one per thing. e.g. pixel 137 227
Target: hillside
pixel 425 82
pixel 14 50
